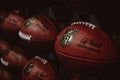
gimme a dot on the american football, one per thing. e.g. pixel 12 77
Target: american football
pixel 10 23
pixel 38 69
pixel 12 56
pixel 84 47
pixel 38 33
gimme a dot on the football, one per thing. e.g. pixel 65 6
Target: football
pixel 85 48
pixel 38 69
pixel 10 23
pixel 13 57
pixel 38 33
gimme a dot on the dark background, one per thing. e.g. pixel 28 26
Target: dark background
pixel 106 12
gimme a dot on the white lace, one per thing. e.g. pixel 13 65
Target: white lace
pixel 85 23
pixel 24 36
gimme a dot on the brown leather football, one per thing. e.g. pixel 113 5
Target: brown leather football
pixel 38 69
pixel 38 34
pixel 10 23
pixel 84 47
pixel 13 57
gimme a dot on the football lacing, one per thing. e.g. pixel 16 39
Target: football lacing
pixel 24 36
pixel 85 23
pixel 44 61
pixel 4 62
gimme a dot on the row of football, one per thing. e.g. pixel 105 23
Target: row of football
pixel 81 47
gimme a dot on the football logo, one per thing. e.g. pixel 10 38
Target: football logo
pixel 29 68
pixel 30 21
pixel 68 37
